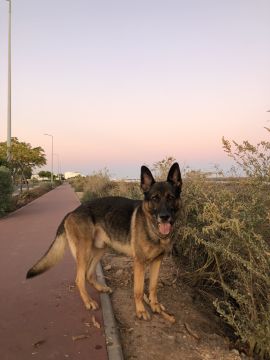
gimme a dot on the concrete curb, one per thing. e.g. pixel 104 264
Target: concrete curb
pixel 114 347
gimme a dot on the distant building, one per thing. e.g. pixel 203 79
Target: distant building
pixel 131 180
pixel 70 174
pixel 39 178
pixel 36 177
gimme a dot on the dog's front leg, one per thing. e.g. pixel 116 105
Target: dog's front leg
pixel 139 270
pixel 154 304
pixel 154 273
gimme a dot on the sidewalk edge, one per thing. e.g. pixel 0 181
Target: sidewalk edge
pixel 114 347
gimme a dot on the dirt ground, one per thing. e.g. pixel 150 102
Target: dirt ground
pixel 197 333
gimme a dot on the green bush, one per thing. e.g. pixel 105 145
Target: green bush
pixel 6 189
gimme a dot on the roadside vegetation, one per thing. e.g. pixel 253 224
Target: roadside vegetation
pixel 15 175
pixel 27 196
pixel 24 158
pixel 6 189
pixel 222 238
pixel 223 242
pixel 99 184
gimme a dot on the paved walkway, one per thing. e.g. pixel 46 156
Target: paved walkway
pixel 40 317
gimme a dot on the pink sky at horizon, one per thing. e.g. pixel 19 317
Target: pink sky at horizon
pixel 125 84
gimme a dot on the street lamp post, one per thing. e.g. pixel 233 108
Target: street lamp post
pixel 58 166
pixel 52 159
pixel 9 88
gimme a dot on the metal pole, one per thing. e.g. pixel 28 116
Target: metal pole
pixel 58 174
pixel 52 159
pixel 52 164
pixel 9 89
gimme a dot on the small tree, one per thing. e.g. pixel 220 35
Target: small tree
pixel 24 159
pixel 45 174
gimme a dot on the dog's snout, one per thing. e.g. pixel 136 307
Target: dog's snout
pixel 164 216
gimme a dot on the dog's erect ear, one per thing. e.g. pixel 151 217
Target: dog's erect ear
pixel 147 179
pixel 174 176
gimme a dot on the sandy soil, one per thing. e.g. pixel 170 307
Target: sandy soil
pixel 197 333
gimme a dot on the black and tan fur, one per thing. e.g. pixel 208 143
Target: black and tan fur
pixel 140 229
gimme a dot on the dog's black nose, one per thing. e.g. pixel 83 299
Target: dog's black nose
pixel 164 217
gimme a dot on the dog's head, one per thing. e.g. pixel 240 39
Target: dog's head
pixel 162 199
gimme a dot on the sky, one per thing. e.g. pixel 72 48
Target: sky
pixel 121 83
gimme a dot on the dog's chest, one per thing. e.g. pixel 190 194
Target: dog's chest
pixel 148 251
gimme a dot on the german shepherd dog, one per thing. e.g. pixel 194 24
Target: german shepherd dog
pixel 141 229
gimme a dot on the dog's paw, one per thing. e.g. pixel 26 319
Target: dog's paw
pixel 107 289
pixel 91 305
pixel 100 287
pixel 103 288
pixel 143 314
pixel 156 307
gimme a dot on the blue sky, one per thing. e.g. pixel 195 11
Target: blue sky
pixel 121 83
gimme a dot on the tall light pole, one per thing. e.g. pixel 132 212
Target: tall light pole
pixel 9 88
pixel 52 159
pixel 58 166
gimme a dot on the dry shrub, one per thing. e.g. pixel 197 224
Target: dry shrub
pixel 96 185
pixel 77 183
pixel 99 184
pixel 222 243
pixel 131 190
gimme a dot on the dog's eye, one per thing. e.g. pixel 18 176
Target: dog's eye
pixel 155 198
pixel 170 197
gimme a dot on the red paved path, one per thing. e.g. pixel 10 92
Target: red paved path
pixel 38 317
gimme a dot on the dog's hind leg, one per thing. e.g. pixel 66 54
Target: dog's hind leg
pixel 91 273
pixel 80 237
pixel 80 282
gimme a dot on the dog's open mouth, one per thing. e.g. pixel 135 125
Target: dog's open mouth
pixel 164 228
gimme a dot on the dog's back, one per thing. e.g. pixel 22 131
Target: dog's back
pixel 113 214
pixel 109 217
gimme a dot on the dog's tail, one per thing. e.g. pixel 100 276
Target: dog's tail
pixel 53 255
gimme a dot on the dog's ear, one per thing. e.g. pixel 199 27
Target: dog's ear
pixel 147 179
pixel 174 176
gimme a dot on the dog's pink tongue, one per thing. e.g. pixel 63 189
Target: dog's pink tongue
pixel 164 228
